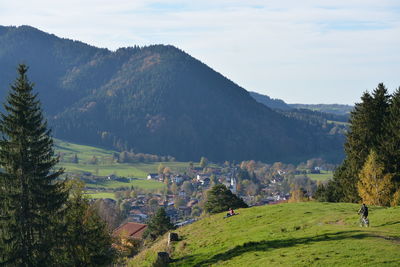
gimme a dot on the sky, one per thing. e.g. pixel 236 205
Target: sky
pixel 309 51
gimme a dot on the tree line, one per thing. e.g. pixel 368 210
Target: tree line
pixel 370 171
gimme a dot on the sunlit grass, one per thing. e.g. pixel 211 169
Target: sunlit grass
pixel 295 234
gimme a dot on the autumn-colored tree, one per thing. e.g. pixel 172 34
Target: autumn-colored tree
pixel 161 168
pixel 395 199
pixel 374 186
pixel 297 195
pixel 203 162
pixel 174 188
pixel 167 171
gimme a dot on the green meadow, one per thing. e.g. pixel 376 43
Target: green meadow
pixel 323 176
pixel 293 234
pixel 141 183
pixel 106 165
pixel 101 195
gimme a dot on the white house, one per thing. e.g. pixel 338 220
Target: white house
pixel 151 176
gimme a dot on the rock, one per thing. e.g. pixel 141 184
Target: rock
pixel 162 259
pixel 172 237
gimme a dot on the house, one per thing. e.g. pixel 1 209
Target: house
pixel 281 172
pixel 130 230
pixel 111 177
pixel 201 177
pixel 205 182
pixel 137 216
pixel 152 176
pixel 192 202
pixel 178 179
pixel 185 211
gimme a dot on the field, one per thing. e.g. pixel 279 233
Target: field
pixel 142 183
pixel 106 165
pixel 294 234
pixel 323 176
pixel 101 195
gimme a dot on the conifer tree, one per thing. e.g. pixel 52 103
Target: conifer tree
pixel 365 133
pixel 87 239
pixel 220 198
pixel 375 186
pixel 31 197
pixel 158 225
pixel 390 149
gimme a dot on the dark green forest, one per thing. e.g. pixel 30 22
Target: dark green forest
pixel 370 171
pixel 156 100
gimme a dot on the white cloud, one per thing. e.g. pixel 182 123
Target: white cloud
pixel 301 51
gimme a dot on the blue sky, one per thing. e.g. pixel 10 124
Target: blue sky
pixel 309 51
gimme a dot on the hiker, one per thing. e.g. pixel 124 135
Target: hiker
pixel 363 212
pixel 230 213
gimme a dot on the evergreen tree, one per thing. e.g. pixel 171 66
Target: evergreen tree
pixel 375 186
pixel 31 197
pixel 390 149
pixel 87 239
pixel 158 225
pixel 365 133
pixel 220 198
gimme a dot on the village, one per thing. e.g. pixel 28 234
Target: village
pixel 185 193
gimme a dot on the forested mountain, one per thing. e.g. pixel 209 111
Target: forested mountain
pixel 154 99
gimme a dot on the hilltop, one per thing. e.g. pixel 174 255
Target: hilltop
pixel 157 100
pixel 300 234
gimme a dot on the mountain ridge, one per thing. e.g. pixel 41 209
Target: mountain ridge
pixel 155 99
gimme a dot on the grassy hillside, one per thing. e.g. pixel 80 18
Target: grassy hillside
pixel 296 234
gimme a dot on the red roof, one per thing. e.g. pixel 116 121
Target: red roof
pixel 131 229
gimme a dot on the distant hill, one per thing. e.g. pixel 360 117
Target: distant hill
pixel 337 109
pixel 276 103
pixel 156 100
pixel 318 115
pixel 294 234
pixel 273 103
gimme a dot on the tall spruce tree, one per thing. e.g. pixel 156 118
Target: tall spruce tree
pixel 31 197
pixel 390 149
pixel 365 133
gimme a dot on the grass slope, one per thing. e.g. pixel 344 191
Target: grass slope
pixel 295 234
